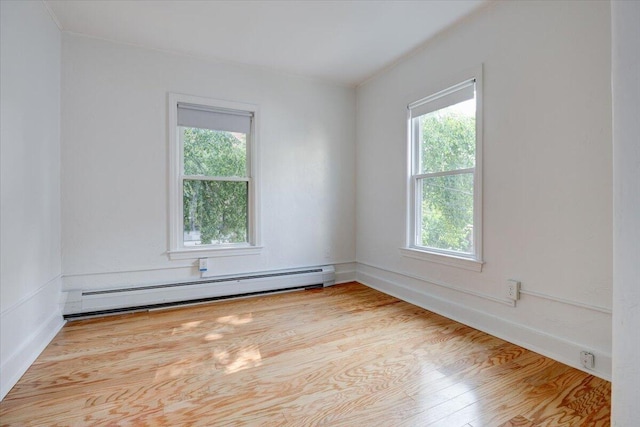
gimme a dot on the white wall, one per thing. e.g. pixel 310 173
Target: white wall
pixel 626 207
pixel 547 177
pixel 115 169
pixel 30 186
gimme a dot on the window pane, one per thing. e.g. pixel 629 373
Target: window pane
pixel 448 138
pixel 215 212
pixel 214 153
pixel 446 213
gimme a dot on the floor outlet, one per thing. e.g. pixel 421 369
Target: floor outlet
pixel 587 359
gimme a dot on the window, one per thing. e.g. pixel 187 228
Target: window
pixel 213 185
pixel 445 176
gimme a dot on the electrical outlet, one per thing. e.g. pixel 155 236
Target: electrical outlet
pixel 587 359
pixel 513 290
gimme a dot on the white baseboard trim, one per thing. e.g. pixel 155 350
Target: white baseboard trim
pixel 345 272
pixel 541 342
pixel 27 328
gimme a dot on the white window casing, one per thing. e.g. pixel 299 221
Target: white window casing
pixel 451 93
pixel 219 115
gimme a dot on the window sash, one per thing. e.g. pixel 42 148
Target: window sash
pixel 248 168
pixel 416 137
pixel 417 182
pixel 444 173
pixel 214 178
pixel 248 182
pixel 183 178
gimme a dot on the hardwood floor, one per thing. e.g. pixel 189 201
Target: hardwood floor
pixel 340 356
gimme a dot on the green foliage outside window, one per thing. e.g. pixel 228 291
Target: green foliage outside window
pixel 448 143
pixel 216 209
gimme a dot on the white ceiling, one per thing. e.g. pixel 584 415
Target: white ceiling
pixel 342 41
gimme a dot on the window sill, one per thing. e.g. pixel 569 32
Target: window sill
pixel 214 252
pixel 444 259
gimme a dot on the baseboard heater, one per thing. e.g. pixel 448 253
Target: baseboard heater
pixel 80 304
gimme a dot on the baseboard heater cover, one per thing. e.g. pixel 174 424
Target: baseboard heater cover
pixel 81 303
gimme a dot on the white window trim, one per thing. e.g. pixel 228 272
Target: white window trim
pixel 176 249
pixel 473 262
pixel 445 259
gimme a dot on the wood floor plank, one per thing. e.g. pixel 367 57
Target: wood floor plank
pixel 340 356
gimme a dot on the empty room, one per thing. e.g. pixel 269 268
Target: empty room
pixel 300 213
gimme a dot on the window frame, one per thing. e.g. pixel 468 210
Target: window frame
pixel 474 260
pixel 177 249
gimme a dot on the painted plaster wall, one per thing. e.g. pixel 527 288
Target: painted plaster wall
pixel 30 275
pixel 115 167
pixel 547 176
